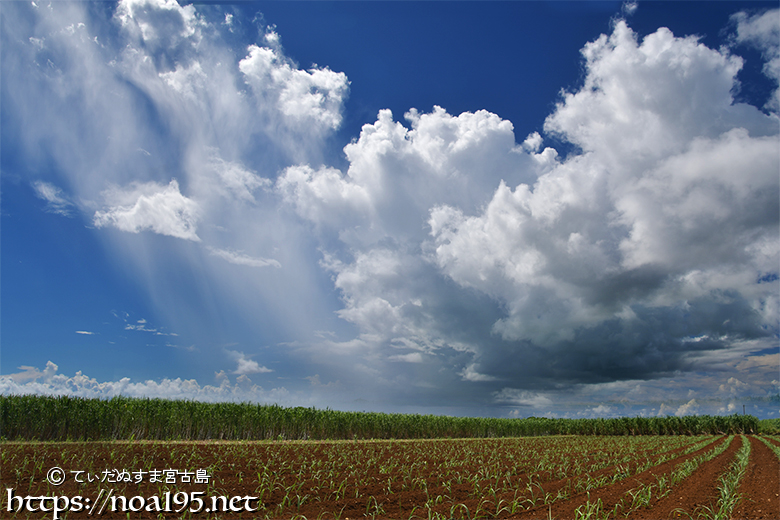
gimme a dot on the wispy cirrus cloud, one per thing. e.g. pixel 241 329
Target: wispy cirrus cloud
pixel 141 325
pixel 181 135
pixel 54 197
pixel 238 258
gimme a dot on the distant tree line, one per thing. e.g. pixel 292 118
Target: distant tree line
pixel 60 418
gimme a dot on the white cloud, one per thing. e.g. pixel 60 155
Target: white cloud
pixel 651 201
pixel 629 8
pixel 85 332
pixel 165 29
pixel 245 365
pixel 413 357
pixel 55 200
pixel 378 209
pixel 186 80
pixel 652 98
pixel 763 31
pixel 164 98
pixel 679 213
pixel 150 206
pixel 141 326
pixel 689 408
pixel 733 386
pixel 29 373
pixel 602 410
pixel 533 142
pixel 470 374
pixel 238 180
pixel 396 174
pixel 50 382
pixel 362 282
pixel 324 196
pixel 235 257
pixel 310 98
pixel 523 398
pixel 583 256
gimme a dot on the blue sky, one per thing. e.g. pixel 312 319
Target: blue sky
pixel 468 208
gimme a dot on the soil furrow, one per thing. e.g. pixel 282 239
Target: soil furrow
pixel 552 485
pixel 697 491
pixel 611 495
pixel 773 440
pixel 760 487
pixel 385 480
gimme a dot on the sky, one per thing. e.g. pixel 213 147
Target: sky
pixel 508 209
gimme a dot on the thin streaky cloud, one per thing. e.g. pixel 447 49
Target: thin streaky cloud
pixel 239 258
pixel 54 197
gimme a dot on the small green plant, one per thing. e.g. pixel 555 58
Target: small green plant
pixel 641 497
pixel 373 507
pixel 728 487
pixel 591 511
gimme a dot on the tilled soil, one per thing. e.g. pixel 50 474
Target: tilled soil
pixel 697 491
pixel 772 440
pixel 386 479
pixel 760 487
pixel 612 494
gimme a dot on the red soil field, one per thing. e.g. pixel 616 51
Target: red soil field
pixel 611 495
pixel 485 478
pixel 760 486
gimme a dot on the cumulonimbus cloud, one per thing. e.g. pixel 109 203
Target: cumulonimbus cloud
pixel 649 214
pixel 646 225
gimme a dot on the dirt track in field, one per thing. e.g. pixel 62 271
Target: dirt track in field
pixel 401 480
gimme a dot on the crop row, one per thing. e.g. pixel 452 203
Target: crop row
pixel 642 496
pixel 717 492
pixel 403 479
pixel 51 418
